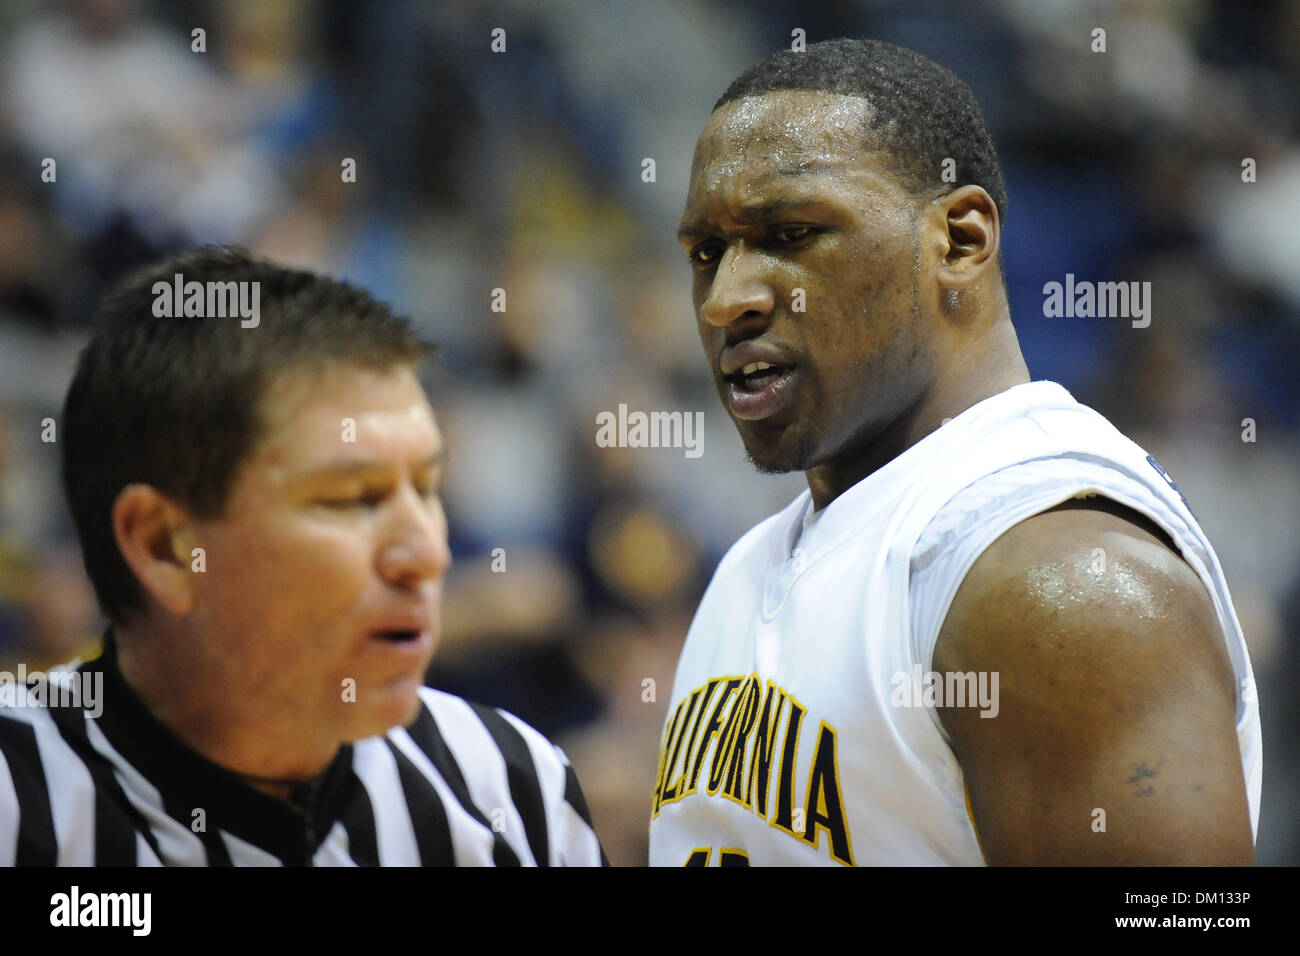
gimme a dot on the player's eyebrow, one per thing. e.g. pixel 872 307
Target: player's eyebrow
pixel 692 229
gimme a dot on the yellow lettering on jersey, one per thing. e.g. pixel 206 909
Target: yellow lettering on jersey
pixel 742 730
pixel 672 733
pixel 700 695
pixel 736 753
pixel 760 761
pixel 825 801
pixel 783 818
pixel 741 714
pixel 710 732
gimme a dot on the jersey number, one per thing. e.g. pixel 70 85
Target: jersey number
pixel 727 856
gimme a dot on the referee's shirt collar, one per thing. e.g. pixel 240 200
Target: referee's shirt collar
pixel 188 781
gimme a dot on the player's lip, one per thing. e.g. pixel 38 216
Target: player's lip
pixel 736 358
pixel 762 397
pixel 758 378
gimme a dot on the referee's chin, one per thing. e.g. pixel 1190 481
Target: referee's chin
pixel 396 704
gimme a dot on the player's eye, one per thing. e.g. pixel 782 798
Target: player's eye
pixel 789 235
pixel 706 254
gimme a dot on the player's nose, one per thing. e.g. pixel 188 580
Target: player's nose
pixel 739 289
pixel 414 548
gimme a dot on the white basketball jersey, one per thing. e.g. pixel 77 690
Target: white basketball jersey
pixel 796 734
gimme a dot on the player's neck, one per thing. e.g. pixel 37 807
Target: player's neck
pixel 947 399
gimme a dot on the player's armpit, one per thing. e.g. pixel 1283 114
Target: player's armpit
pixel 1114 741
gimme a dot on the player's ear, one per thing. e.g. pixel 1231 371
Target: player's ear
pixel 151 531
pixel 969 235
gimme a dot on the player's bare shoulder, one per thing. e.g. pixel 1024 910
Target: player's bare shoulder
pixel 1115 737
pixel 1087 565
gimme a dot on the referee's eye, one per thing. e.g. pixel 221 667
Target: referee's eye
pixel 368 499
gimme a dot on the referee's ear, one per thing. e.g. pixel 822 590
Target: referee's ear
pixel 147 524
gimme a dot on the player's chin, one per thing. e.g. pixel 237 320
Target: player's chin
pixel 774 451
pixel 769 465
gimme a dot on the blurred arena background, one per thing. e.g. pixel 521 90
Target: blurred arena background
pixel 523 171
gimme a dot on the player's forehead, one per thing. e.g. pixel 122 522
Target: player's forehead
pixel 786 140
pixel 785 125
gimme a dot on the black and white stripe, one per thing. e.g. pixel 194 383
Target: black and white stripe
pixel 463 785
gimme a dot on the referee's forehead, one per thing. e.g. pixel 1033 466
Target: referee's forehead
pixel 313 410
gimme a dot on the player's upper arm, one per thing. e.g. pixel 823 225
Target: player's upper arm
pixel 1114 740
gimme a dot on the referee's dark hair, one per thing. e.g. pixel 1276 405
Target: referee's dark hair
pixel 921 112
pixel 175 402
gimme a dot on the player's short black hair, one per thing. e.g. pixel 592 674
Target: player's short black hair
pixel 176 402
pixel 920 111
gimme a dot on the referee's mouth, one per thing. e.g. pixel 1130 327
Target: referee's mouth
pixel 413 638
pixel 397 636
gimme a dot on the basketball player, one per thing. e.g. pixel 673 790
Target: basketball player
pixel 990 631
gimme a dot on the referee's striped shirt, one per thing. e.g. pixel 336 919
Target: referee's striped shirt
pixel 463 785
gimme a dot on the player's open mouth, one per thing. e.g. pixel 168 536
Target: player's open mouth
pixel 759 390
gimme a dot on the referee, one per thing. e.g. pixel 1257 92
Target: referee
pixel 253 469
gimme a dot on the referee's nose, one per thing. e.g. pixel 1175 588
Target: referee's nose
pixel 414 546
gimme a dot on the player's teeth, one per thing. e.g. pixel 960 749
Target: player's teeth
pixel 753 367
